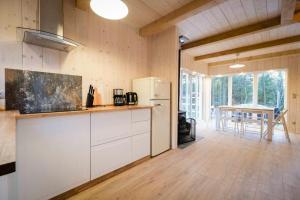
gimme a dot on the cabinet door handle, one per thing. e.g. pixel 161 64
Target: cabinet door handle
pixel 157 104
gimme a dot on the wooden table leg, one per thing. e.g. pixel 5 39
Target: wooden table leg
pixel 270 125
pixel 218 118
pixel 262 124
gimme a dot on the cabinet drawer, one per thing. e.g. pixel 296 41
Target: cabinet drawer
pixel 141 115
pixel 110 126
pixel 140 146
pixel 140 127
pixel 108 157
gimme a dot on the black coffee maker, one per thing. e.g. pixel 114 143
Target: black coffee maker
pixel 119 98
pixel 131 98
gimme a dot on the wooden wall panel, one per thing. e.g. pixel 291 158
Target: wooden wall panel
pixel 292 64
pixel 188 62
pixel 163 62
pixel 111 56
pixel 10 49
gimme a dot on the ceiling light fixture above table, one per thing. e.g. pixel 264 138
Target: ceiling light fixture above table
pixel 237 64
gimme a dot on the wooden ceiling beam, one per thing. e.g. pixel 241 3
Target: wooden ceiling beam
pixel 83 4
pixel 176 16
pixel 250 47
pixel 259 57
pixel 253 28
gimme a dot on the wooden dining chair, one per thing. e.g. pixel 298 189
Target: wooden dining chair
pixel 280 119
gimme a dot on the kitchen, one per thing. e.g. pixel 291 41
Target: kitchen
pixel 103 58
pixel 97 96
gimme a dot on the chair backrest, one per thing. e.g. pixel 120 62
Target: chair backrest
pixel 276 112
pixel 280 116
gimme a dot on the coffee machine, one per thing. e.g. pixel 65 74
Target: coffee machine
pixel 119 98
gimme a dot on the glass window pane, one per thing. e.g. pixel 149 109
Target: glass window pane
pixel 190 89
pixel 242 89
pixel 219 91
pixel 271 89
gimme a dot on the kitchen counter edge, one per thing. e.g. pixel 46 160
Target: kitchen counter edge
pixel 88 110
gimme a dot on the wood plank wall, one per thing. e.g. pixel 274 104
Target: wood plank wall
pixel 163 62
pixel 188 62
pixel 292 64
pixel 111 56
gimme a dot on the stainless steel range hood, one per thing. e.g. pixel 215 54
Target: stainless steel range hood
pixel 50 33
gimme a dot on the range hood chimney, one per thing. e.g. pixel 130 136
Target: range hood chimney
pixel 50 30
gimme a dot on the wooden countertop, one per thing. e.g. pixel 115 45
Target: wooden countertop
pixel 7 141
pixel 8 130
pixel 108 108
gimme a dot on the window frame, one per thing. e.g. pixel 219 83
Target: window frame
pixel 254 85
pixel 189 98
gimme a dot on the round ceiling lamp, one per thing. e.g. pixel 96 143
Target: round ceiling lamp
pixel 237 64
pixel 109 9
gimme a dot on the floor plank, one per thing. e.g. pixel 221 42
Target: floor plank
pixel 220 166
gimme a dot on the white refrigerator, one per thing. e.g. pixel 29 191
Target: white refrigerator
pixel 156 92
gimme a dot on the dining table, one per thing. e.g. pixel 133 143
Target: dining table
pixel 248 108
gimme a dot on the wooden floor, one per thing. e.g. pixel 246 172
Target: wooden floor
pixel 220 166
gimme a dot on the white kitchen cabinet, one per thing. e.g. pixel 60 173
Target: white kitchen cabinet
pixel 58 153
pixel 53 155
pixel 7 187
pixel 118 138
pixel 110 126
pixel 140 127
pixel 108 157
pixel 140 146
pixel 141 115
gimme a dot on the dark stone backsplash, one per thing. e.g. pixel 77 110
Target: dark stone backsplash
pixel 34 92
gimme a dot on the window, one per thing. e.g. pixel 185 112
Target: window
pixel 190 94
pixel 184 97
pixel 271 89
pixel 242 89
pixel 195 96
pixel 219 91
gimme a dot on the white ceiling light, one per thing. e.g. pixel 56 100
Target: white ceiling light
pixel 109 9
pixel 237 64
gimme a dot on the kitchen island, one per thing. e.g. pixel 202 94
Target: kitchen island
pixel 57 152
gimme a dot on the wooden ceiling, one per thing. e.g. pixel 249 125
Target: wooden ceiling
pixel 229 15
pixel 223 16
pixel 226 16
pixel 143 12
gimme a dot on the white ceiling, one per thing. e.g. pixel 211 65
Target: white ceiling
pixel 226 15
pixel 143 12
pixel 233 14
